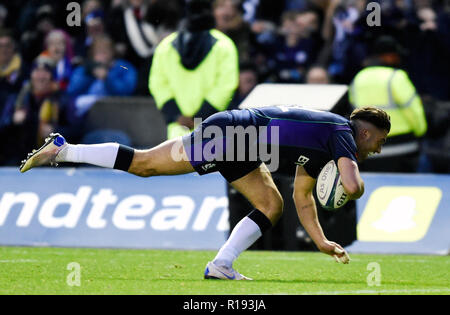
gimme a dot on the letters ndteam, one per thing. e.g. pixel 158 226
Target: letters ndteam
pixel 135 212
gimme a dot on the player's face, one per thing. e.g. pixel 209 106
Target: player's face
pixel 372 141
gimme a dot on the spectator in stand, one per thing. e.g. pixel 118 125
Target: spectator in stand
pixel 317 75
pixel 294 50
pixel 343 30
pixel 263 16
pixel 10 12
pixel 137 26
pixel 33 38
pixel 427 39
pixel 13 69
pixel 393 18
pixel 229 20
pixel 32 114
pixel 165 16
pixel 60 51
pixel 248 79
pixel 101 75
pixel 93 24
pixel 298 5
pixel 3 16
pixel 90 6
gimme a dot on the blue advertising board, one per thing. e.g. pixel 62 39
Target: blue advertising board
pixel 92 207
pixel 404 214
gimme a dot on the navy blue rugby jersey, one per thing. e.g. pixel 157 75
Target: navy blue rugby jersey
pixel 307 137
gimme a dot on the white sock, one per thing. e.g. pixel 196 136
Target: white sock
pixel 103 154
pixel 244 234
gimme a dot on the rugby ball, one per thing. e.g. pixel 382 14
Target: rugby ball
pixel 329 189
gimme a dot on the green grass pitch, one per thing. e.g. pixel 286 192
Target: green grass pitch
pixel 29 270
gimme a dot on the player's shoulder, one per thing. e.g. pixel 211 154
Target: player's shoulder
pixel 303 114
pixel 327 115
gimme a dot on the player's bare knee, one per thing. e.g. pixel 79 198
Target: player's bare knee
pixel 147 172
pixel 141 164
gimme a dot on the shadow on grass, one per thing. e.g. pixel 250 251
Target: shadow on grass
pixel 309 281
pixel 290 281
pixel 271 281
pixel 332 281
pixel 260 281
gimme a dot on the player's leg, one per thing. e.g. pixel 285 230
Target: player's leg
pixel 258 187
pixel 260 190
pixel 167 158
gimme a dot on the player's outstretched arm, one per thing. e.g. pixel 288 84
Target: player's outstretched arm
pixel 307 213
pixel 350 178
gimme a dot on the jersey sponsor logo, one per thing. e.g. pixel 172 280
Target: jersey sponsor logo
pixel 208 166
pixel 302 160
pixel 398 214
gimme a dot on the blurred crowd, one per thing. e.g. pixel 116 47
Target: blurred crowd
pixel 52 73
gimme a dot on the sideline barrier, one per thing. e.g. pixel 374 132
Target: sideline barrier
pixel 404 214
pixel 91 207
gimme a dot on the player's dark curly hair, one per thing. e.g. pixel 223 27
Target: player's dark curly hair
pixel 378 117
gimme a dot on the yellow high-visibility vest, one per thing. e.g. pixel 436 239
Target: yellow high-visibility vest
pixel 390 89
pixel 215 79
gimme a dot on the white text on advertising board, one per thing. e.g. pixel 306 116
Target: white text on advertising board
pixel 134 212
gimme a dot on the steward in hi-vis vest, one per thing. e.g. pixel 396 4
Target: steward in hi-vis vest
pixel 194 72
pixel 389 88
